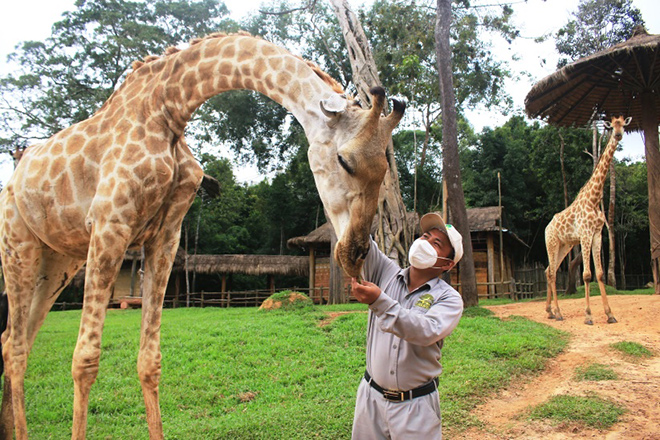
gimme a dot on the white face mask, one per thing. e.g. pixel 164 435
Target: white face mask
pixel 422 255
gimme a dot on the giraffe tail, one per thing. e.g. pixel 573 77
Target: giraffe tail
pixel 4 314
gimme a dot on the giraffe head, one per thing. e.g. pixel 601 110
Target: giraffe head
pixel 617 124
pixel 349 164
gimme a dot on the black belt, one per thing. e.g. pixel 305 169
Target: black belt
pixel 401 396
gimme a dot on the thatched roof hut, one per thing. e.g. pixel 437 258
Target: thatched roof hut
pixel 321 236
pixel 486 219
pixel 606 83
pixel 248 264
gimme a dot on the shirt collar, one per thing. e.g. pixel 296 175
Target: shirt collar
pixel 404 275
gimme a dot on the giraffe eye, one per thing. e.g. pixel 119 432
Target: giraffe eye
pixel 345 165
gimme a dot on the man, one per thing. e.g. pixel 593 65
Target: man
pixel 411 311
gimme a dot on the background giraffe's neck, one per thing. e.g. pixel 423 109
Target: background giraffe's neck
pixel 592 191
pixel 186 79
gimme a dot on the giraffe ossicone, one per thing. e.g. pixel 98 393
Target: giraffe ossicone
pixel 582 223
pixel 125 178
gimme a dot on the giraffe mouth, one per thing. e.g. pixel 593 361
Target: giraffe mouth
pixel 350 257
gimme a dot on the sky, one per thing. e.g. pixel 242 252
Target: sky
pixel 32 20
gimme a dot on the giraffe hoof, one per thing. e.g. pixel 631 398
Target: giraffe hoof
pixel 551 316
pixel 588 322
pixel 559 318
pixel 612 320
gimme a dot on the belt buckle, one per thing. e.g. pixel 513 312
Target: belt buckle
pixel 396 396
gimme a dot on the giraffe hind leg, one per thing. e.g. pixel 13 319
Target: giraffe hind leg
pixel 556 253
pixel 21 259
pixel 54 274
pixel 600 276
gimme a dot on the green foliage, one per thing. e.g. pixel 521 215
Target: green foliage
pixel 595 26
pixel 528 158
pixel 241 374
pixel 595 372
pixel 591 411
pixel 67 77
pixel 633 350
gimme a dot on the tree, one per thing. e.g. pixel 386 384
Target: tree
pixel 451 167
pixel 632 221
pixel 67 77
pixel 595 26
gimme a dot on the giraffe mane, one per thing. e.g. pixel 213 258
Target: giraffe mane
pixel 137 64
pixel 325 77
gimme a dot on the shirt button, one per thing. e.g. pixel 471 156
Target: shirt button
pixel 392 372
pixel 394 346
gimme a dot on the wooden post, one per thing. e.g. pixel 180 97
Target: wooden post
pixel 177 289
pixel 491 264
pixel 499 190
pixel 271 283
pixel 312 273
pixel 651 148
pixel 223 283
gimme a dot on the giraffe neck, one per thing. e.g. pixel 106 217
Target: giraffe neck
pixel 592 191
pixel 177 84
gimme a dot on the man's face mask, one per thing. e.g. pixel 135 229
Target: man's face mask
pixel 422 255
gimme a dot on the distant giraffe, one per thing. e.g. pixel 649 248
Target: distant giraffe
pixel 582 223
pixel 17 154
pixel 125 178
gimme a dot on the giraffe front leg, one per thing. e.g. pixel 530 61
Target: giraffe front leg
pixel 108 245
pixel 600 277
pixel 586 277
pixel 159 257
pixel 551 280
pixel 158 263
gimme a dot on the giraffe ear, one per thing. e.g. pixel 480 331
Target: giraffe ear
pixel 333 107
pixel 628 119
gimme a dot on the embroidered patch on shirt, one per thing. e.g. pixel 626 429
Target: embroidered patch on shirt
pixel 425 301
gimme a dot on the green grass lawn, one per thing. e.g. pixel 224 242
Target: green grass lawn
pixel 249 374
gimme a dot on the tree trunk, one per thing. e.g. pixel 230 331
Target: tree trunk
pixel 575 255
pixel 611 274
pixel 393 234
pixel 336 287
pixel 650 126
pixel 451 169
pixel 573 269
pixel 562 146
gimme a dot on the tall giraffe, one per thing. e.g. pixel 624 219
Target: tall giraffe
pixel 582 223
pixel 125 178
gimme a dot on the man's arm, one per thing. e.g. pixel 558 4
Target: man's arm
pixel 415 327
pixel 377 264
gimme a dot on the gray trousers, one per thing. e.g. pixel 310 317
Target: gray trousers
pixel 376 418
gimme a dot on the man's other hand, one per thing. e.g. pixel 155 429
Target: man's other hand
pixel 364 292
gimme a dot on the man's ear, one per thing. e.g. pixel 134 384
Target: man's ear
pixel 449 265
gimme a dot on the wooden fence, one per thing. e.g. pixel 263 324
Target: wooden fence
pixel 528 282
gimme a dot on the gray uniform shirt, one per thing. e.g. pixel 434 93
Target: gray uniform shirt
pixel 406 329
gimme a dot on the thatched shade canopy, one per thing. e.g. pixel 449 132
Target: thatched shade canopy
pixel 249 264
pixel 486 219
pixel 608 83
pixel 623 80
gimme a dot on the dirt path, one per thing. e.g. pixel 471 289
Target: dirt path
pixel 638 387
